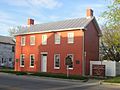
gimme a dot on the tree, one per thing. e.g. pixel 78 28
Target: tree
pixel 14 30
pixel 110 42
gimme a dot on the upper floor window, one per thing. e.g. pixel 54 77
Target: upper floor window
pixel 70 37
pixel 56 61
pixel 70 56
pixel 44 39
pixel 57 38
pixel 32 58
pixel 22 59
pixel 32 40
pixel 23 41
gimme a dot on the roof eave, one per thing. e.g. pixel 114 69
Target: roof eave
pixel 7 43
pixel 66 29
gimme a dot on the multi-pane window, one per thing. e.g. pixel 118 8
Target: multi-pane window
pixel 22 59
pixel 32 59
pixel 70 37
pixel 44 39
pixel 23 41
pixel 57 38
pixel 32 40
pixel 56 61
pixel 71 56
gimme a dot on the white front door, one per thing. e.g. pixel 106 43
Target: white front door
pixel 44 63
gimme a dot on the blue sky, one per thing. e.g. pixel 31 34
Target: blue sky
pixel 16 12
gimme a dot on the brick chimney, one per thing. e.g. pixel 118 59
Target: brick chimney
pixel 30 21
pixel 89 13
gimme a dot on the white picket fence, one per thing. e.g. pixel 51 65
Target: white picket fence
pixel 112 68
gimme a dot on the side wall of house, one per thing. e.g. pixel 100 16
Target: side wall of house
pixel 91 45
pixel 6 55
pixel 51 48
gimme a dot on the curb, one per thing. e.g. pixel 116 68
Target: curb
pixel 105 83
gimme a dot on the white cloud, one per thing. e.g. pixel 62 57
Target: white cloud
pixel 16 2
pixel 6 21
pixel 6 18
pixel 45 3
pixel 4 15
pixel 29 9
pixel 93 5
pixel 53 17
pixel 35 3
pixel 4 29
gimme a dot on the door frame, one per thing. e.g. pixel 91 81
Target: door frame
pixel 43 53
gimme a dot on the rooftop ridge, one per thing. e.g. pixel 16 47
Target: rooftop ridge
pixel 59 21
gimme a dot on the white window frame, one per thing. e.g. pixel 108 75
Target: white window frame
pixel 57 38
pixel 30 59
pixel 32 38
pixel 70 37
pixel 23 42
pixel 21 60
pixel 44 39
pixel 72 61
pixel 55 61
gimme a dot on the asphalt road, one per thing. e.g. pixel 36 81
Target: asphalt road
pixel 14 82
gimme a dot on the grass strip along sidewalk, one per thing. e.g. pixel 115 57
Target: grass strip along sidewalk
pixel 63 76
pixel 113 79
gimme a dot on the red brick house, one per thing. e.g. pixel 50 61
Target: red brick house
pixel 44 47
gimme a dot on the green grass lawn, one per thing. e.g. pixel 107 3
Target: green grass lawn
pixel 113 80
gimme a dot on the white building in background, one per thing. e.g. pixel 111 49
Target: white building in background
pixel 112 68
pixel 7 51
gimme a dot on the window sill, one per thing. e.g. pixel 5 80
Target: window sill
pixel 31 66
pixel 32 44
pixel 57 43
pixel 56 67
pixel 21 66
pixel 70 68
